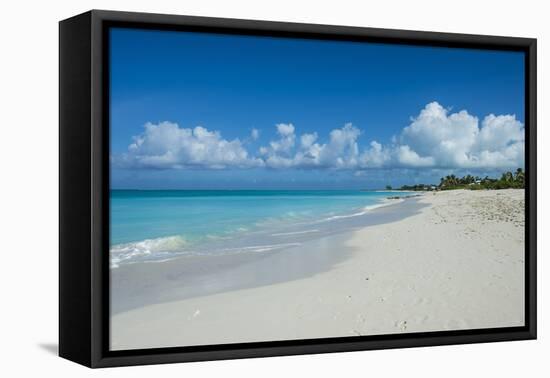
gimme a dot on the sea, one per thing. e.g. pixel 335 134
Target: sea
pixel 158 225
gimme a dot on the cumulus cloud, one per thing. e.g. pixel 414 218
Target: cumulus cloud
pixel 436 138
pixel 376 156
pixel 307 140
pixel 341 151
pixel 410 158
pixel 456 140
pixel 286 141
pixel 166 145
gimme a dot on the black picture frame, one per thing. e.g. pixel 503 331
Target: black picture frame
pixel 84 189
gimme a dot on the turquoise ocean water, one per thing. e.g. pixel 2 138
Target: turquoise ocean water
pixel 157 225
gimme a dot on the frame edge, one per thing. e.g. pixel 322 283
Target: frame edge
pixel 98 357
pixel 75 273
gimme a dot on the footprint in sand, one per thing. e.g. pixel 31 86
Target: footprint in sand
pixel 402 325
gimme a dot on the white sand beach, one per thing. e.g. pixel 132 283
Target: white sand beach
pixel 457 263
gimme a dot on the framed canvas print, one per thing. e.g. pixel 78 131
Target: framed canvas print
pixel 234 188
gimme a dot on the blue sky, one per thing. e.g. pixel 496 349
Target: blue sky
pixel 193 110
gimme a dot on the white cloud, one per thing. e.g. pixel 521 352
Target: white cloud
pixel 498 132
pixel 286 140
pixel 501 142
pixel 456 140
pixel 435 138
pixel 285 129
pixel 255 134
pixel 166 145
pixel 341 151
pixel 376 156
pixel 409 158
pixel 307 140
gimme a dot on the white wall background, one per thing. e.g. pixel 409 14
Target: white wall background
pixel 28 187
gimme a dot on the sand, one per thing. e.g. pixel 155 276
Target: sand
pixel 457 263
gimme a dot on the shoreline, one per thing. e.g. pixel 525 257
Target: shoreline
pixel 459 260
pixel 140 284
pixel 164 240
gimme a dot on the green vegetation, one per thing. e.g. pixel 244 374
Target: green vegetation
pixel 419 187
pixel 508 180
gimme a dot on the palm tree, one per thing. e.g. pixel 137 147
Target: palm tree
pixel 519 177
pixel 468 179
pixel 507 177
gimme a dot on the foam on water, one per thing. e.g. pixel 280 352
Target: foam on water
pixel 147 250
pixel 183 224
